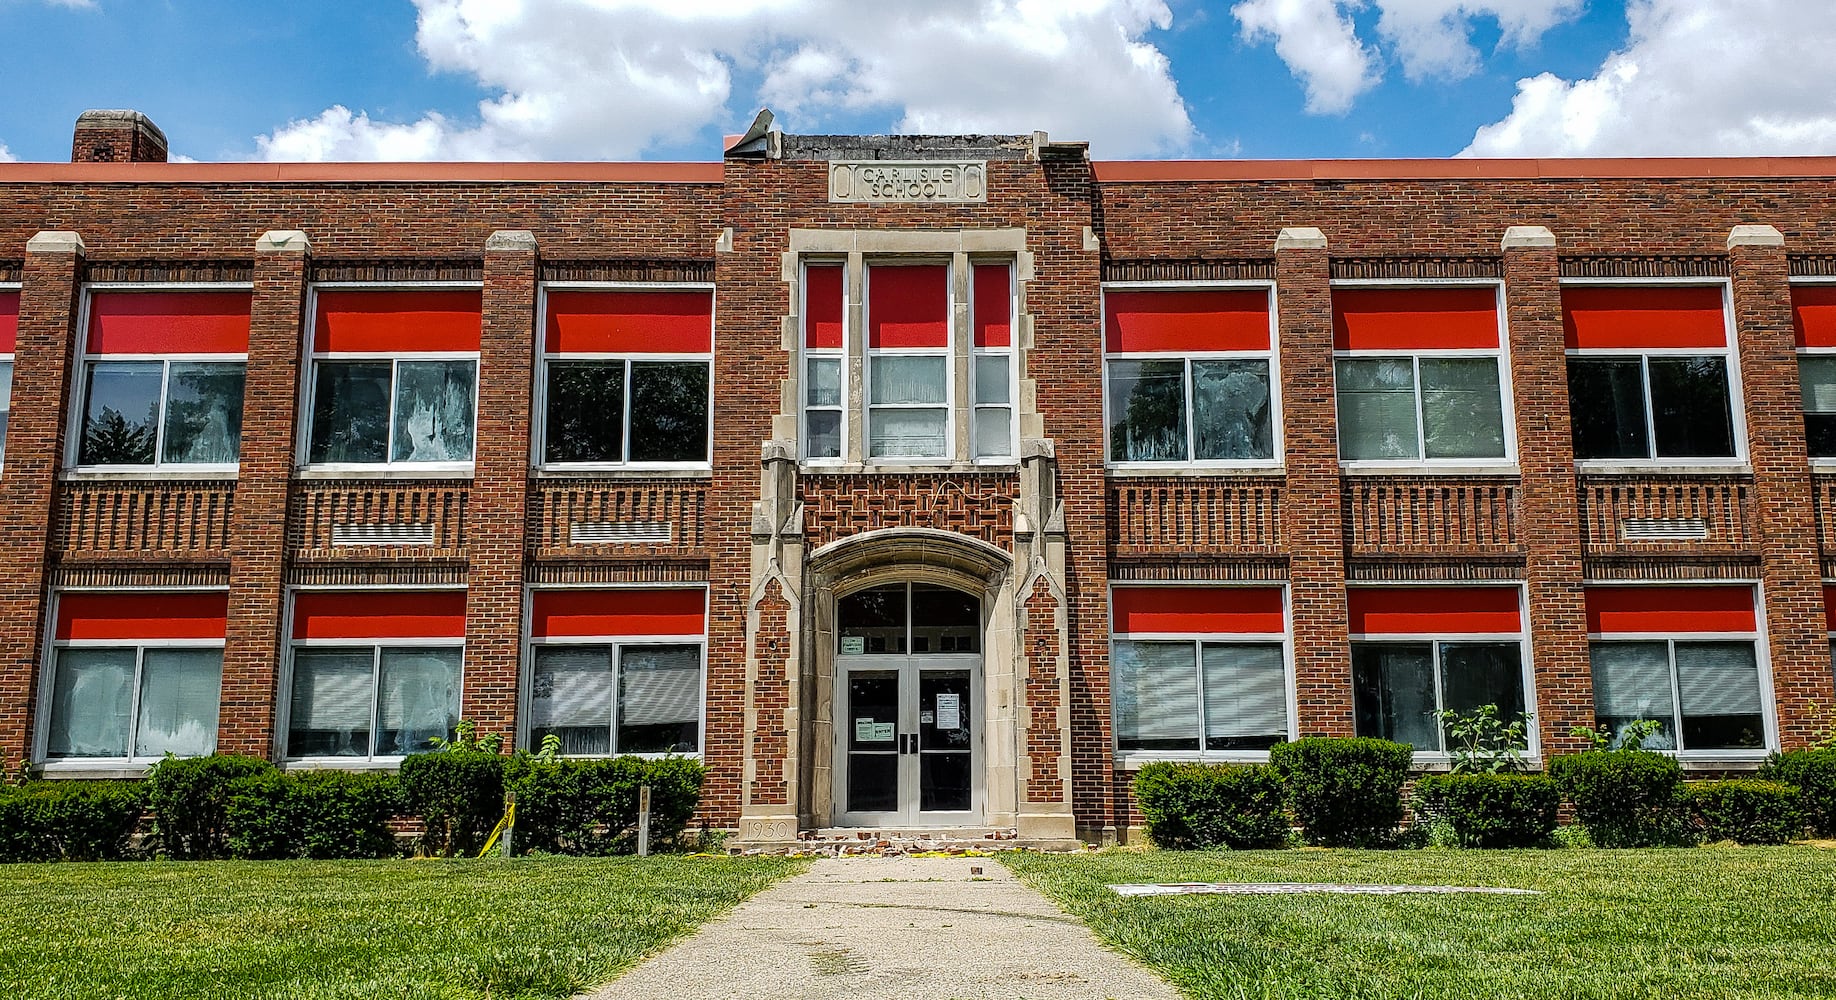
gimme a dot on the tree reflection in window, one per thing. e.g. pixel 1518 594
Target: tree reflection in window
pixel 127 404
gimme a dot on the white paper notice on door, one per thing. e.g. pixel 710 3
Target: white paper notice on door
pixel 865 730
pixel 949 710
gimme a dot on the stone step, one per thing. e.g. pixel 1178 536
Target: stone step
pixel 858 842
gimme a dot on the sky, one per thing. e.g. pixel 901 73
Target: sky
pixel 1138 79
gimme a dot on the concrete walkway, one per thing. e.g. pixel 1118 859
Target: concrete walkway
pixel 893 929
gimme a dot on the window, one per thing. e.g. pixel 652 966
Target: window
pixel 162 380
pixel 617 671
pixel 1199 670
pixel 9 335
pixel 1418 375
pixel 1814 318
pixel 1649 373
pixel 1421 651
pixel 375 674
pixel 134 677
pixel 1189 376
pixel 1684 657
pixel 932 392
pixel 627 377
pixel 394 378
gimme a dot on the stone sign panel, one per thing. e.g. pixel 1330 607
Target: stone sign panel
pixel 877 181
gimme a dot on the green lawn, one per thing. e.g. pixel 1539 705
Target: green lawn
pixel 402 930
pixel 1613 925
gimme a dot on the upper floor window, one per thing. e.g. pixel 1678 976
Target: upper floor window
pixel 933 392
pixel 1199 670
pixel 1418 374
pixel 626 377
pixel 162 379
pixel 134 677
pixel 9 335
pixel 1649 373
pixel 1420 651
pixel 1685 657
pixel 394 377
pixel 617 671
pixel 1188 373
pixel 1813 310
pixel 375 673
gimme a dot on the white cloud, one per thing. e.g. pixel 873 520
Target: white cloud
pixel 1432 39
pixel 613 78
pixel 1702 77
pixel 6 155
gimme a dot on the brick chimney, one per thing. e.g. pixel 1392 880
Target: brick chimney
pixel 117 137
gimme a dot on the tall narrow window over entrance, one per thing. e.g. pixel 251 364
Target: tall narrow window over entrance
pixel 908 362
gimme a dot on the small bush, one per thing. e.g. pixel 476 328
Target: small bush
pixel 190 801
pixel 590 806
pixel 459 796
pixel 1814 772
pixel 1625 798
pixel 259 822
pixel 1492 810
pixel 1746 811
pixel 1345 792
pixel 1199 806
pixel 313 814
pixel 69 820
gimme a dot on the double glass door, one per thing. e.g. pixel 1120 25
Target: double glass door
pixel 908 716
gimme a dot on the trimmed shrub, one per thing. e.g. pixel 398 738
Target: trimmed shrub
pixel 69 820
pixel 313 814
pixel 590 806
pixel 459 796
pixel 190 801
pixel 1625 798
pixel 1199 806
pixel 1492 810
pixel 1345 792
pixel 1746 811
pixel 1814 772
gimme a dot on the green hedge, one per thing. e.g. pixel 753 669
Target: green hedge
pixel 591 806
pixel 1345 792
pixel 313 814
pixel 1492 810
pixel 1625 798
pixel 459 797
pixel 69 820
pixel 1197 806
pixel 190 801
pixel 1814 772
pixel 1746 811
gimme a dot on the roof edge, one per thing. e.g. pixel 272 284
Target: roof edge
pixel 640 172
pixel 1460 168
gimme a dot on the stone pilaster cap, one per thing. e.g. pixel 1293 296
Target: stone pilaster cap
pixel 283 241
pixel 1527 237
pixel 1755 236
pixel 1300 238
pixel 511 239
pixel 55 241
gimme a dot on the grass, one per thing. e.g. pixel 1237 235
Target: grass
pixel 402 930
pixel 1702 924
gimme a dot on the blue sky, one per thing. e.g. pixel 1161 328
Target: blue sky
pixel 664 79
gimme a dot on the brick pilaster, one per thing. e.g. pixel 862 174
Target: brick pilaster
pixel 1790 564
pixel 1548 515
pixel 258 521
pixel 1311 524
pixel 48 296
pixel 500 483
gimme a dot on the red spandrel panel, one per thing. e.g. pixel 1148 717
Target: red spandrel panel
pixel 379 614
pixel 630 322
pixel 1412 319
pixel 1197 610
pixel 169 323
pixel 396 322
pixel 1615 318
pixel 184 615
pixel 1433 611
pixel 1186 320
pixel 634 611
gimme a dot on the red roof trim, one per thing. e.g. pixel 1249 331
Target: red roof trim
pixel 1174 171
pixel 323 173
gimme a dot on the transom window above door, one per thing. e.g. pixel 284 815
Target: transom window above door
pixel 908 618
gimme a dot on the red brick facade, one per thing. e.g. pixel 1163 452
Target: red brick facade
pixel 506 526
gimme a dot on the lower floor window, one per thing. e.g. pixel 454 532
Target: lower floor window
pixel 372 701
pixel 617 698
pixel 1194 695
pixel 133 701
pixel 1400 689
pixel 1704 695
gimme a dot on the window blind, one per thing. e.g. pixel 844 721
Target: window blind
pixel 661 686
pixel 1245 690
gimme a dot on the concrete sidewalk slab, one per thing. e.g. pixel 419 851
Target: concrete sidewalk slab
pixel 893 929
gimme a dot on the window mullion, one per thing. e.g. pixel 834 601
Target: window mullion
pixel 1676 693
pixel 1198 670
pixel 395 382
pixel 159 426
pixel 1440 704
pixel 1644 369
pixel 1191 416
pixel 1421 408
pixel 616 654
pixel 375 699
pixel 625 428
pixel 133 726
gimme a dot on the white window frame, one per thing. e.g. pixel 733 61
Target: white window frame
pixel 806 353
pixel 1762 659
pixel 1824 463
pixel 10 357
pixel 870 356
pixel 1728 352
pixel 1011 352
pixel 41 738
pixel 79 386
pixel 539 435
pixel 1134 759
pixel 1533 750
pixel 1505 464
pixel 308 388
pixel 1271 355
